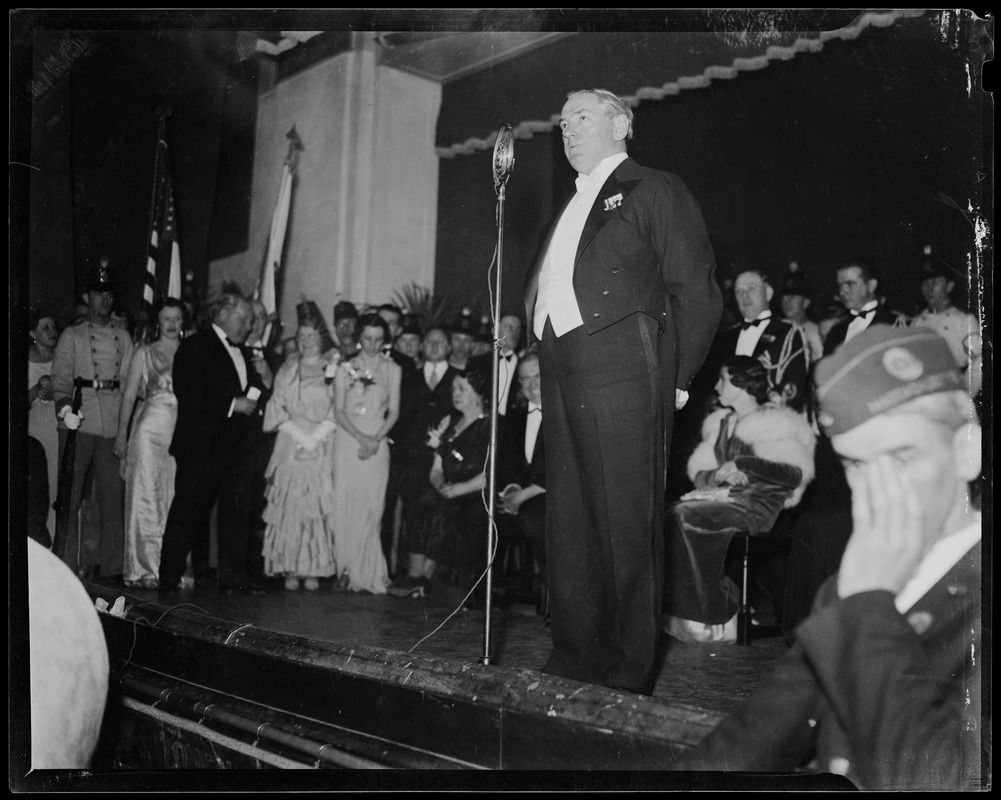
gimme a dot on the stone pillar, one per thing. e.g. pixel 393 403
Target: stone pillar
pixel 365 198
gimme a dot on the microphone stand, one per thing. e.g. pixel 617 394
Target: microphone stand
pixel 503 162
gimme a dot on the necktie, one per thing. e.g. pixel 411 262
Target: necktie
pixel 862 314
pixel 433 379
pixel 584 183
pixel 533 409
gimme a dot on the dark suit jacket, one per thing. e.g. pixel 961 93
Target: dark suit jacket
pixel 836 335
pixel 896 696
pixel 525 473
pixel 206 382
pixel 651 254
pixel 420 409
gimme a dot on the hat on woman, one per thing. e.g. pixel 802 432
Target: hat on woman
pixel 308 314
pixel 345 310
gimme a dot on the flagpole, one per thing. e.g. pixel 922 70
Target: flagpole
pixel 267 287
pixel 146 304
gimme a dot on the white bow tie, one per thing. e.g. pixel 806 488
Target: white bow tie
pixel 533 407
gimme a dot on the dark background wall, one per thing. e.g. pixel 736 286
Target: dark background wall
pixel 93 145
pixel 871 147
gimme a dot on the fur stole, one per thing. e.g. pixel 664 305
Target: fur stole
pixel 774 434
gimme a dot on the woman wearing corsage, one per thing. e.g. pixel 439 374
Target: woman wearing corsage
pixel 754 460
pixel 447 530
pixel 299 533
pixel 366 406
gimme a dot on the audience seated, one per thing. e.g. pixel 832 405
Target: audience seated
pixel 776 343
pixel 754 460
pixel 858 289
pixel 447 530
pixel 884 682
pixel 425 397
pixel 522 505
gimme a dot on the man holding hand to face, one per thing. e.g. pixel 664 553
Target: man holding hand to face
pixel 883 684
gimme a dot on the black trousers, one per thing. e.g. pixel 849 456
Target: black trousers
pixel 604 433
pixel 200 482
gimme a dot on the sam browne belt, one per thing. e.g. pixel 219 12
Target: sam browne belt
pixel 98 385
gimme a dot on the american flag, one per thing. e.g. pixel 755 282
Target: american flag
pixel 163 262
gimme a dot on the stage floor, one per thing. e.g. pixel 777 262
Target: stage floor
pixel 712 677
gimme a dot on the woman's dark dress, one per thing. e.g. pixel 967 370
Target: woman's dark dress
pixel 453 532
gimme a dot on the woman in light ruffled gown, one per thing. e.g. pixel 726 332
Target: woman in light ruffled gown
pixel 299 535
pixel 367 405
pixel 42 412
pixel 146 463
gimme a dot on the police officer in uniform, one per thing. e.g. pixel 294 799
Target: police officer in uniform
pixel 93 357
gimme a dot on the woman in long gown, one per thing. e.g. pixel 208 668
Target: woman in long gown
pixel 754 460
pixel 447 528
pixel 146 462
pixel 41 412
pixel 299 534
pixel 367 405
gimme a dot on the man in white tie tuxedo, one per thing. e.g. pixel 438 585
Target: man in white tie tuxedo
pixel 219 400
pixel 624 302
pixel 858 285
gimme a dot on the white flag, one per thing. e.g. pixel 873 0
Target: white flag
pixel 276 243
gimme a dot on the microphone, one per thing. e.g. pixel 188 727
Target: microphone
pixel 503 156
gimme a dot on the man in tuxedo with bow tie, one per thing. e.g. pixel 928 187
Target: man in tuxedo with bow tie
pixel 858 284
pixel 624 302
pixel 525 498
pixel 776 342
pixel 219 397
pixel 509 329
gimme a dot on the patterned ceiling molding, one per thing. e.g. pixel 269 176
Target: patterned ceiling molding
pixel 528 129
